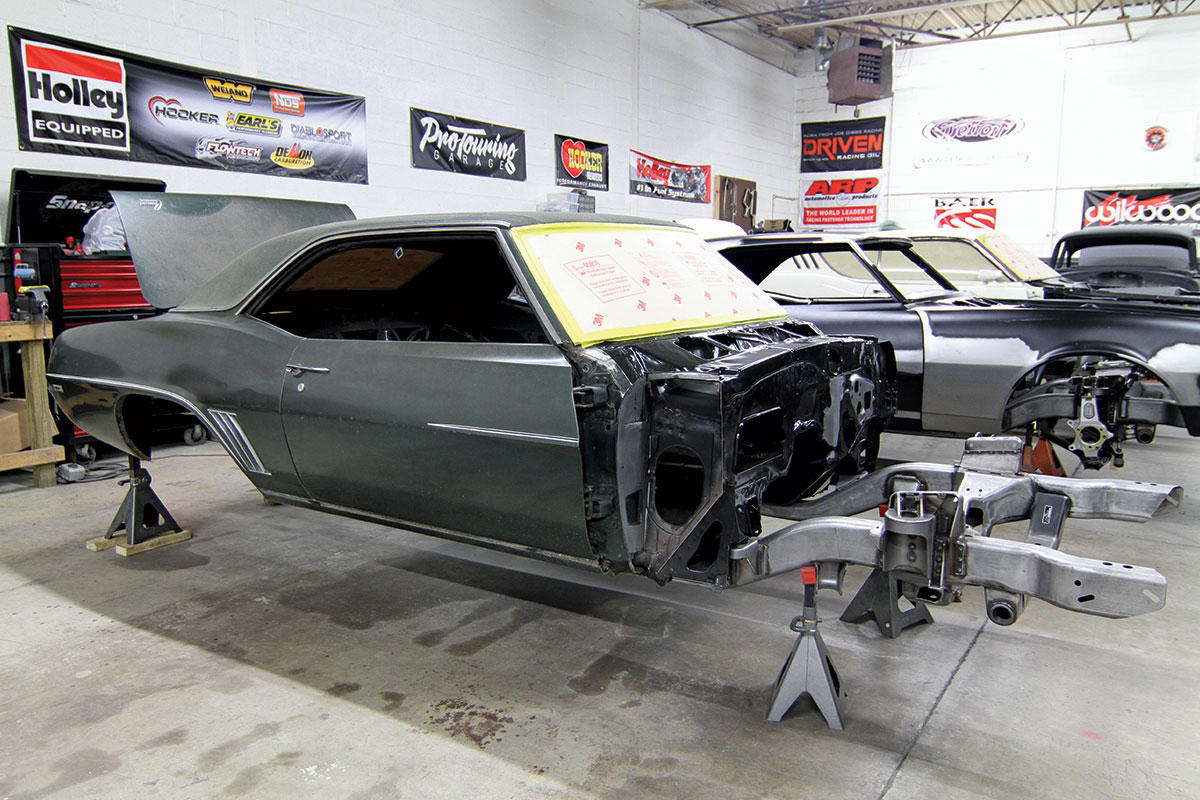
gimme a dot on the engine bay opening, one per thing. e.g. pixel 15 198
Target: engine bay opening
pixel 678 485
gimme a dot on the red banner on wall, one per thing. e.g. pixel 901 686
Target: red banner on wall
pixel 653 177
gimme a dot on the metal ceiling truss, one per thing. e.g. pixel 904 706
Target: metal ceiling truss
pixel 787 26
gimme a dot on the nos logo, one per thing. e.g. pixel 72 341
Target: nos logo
pixel 846 186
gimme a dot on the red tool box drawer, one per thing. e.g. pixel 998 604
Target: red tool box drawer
pixel 90 284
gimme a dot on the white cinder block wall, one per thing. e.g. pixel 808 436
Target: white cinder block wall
pixel 1086 99
pixel 600 70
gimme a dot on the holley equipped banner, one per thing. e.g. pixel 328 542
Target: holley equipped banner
pixel 842 145
pixel 654 177
pixel 1172 206
pixel 79 99
pixel 458 144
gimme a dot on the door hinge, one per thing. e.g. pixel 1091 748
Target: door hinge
pixel 598 501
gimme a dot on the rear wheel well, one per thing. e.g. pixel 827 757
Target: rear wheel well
pixel 142 417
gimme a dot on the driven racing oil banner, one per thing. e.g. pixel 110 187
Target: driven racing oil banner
pixel 80 99
pixel 458 144
pixel 581 163
pixel 654 177
pixel 1172 206
pixel 842 145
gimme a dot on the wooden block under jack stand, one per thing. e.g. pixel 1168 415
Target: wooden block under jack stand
pixel 152 543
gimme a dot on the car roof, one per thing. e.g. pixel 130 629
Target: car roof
pixel 1130 234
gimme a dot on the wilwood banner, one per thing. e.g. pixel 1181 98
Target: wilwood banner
pixel 1173 206
pixel 842 145
pixel 80 99
pixel 458 144
pixel 581 163
pixel 654 177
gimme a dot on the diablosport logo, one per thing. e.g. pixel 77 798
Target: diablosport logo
pixel 229 91
pixel 162 108
pixel 242 122
pixel 321 134
pixel 211 147
pixel 972 129
pixel 293 157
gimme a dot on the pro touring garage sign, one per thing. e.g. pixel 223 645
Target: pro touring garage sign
pixel 74 98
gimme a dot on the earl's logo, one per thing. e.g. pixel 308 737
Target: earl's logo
pixel 242 122
pixel 222 89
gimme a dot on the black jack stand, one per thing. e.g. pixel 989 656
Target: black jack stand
pixel 808 670
pixel 878 600
pixel 143 517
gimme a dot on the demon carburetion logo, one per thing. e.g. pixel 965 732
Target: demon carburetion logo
pixel 252 123
pixel 972 129
pixel 211 147
pixel 293 157
pixel 74 98
pixel 229 91
pixel 162 108
pixel 321 134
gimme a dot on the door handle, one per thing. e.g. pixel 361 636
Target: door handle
pixel 297 370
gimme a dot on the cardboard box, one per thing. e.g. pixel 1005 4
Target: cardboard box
pixel 14 426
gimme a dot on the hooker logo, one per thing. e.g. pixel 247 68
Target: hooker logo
pixel 293 157
pixel 287 102
pixel 252 123
pixel 74 98
pixel 229 91
pixel 161 108
pixel 972 129
pixel 576 158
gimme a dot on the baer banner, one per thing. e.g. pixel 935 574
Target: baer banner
pixel 581 163
pixel 842 145
pixel 653 177
pixel 1178 205
pixel 458 144
pixel 80 99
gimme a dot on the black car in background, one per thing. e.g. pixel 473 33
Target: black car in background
pixel 1131 257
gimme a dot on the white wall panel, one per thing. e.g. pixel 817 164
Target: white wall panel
pixel 599 70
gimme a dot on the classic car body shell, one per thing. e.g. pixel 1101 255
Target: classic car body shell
pixel 648 454
pixel 1131 256
pixel 961 358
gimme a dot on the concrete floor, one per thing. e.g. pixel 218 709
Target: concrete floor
pixel 283 652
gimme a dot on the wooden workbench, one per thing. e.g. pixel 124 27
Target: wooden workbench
pixel 42 454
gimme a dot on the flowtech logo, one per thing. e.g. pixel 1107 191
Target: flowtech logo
pixel 211 147
pixel 964 212
pixel 293 157
pixel 972 129
pixel 242 122
pixel 229 91
pixel 74 98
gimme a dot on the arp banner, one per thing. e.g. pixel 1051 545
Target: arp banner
pixel 79 99
pixel 835 200
pixel 458 144
pixel 581 163
pixel 1172 206
pixel 653 177
pixel 842 145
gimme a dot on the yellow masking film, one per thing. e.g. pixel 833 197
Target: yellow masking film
pixel 562 310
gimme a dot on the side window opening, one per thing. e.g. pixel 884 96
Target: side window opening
pixel 418 288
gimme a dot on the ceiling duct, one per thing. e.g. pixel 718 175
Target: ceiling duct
pixel 822 48
pixel 861 72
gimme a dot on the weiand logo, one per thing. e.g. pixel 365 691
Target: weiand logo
pixel 229 91
pixel 211 147
pixel 242 122
pixel 293 157
pixel 74 98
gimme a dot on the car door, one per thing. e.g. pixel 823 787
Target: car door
pixel 400 403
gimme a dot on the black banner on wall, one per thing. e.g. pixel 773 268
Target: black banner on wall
pixel 581 163
pixel 458 144
pixel 1178 205
pixel 79 99
pixel 843 145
